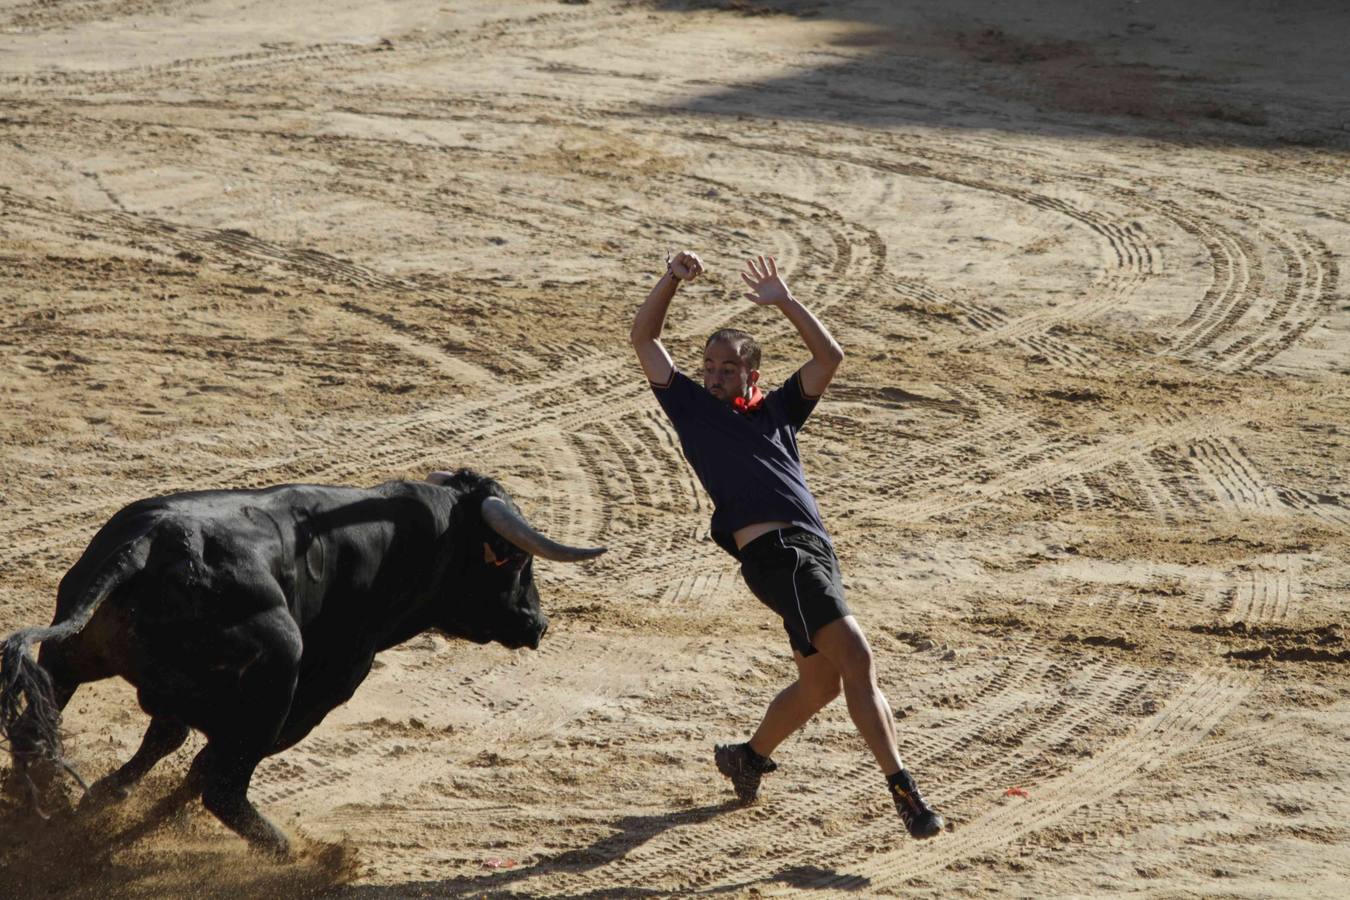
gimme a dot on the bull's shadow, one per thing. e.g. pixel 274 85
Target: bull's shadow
pixel 632 832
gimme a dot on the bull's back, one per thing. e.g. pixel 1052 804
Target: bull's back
pixel 227 553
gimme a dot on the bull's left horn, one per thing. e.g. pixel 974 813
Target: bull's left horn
pixel 502 519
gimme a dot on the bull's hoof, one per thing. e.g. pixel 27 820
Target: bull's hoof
pixel 274 845
pixel 102 794
pixel 245 821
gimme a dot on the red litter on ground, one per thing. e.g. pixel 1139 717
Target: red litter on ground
pixel 1016 792
pixel 498 863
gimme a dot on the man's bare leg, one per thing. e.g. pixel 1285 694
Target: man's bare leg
pixel 745 764
pixel 817 684
pixel 844 645
pixel 844 656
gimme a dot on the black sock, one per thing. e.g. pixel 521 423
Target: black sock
pixel 755 758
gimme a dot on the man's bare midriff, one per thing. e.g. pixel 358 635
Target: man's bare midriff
pixel 743 536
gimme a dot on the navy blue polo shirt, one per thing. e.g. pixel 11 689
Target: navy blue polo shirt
pixel 748 462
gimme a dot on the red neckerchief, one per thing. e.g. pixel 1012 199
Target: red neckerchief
pixel 741 405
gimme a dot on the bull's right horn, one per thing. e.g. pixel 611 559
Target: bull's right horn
pixel 504 520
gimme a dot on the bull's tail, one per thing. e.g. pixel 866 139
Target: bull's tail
pixel 30 717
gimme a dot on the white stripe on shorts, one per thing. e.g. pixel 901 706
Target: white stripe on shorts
pixel 806 629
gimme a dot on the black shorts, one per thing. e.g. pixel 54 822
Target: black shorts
pixel 796 574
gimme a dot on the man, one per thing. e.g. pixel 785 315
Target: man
pixel 742 445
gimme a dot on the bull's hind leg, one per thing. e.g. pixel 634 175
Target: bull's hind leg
pixel 162 738
pixel 170 805
pixel 226 795
pixel 245 729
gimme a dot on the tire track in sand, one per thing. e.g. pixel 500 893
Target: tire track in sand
pixel 1130 254
pixel 1235 288
pixel 1184 722
pixel 227 246
pixel 362 754
pixel 555 29
pixel 684 858
pixel 393 444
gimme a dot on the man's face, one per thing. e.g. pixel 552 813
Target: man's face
pixel 725 374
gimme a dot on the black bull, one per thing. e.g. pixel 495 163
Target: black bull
pixel 250 614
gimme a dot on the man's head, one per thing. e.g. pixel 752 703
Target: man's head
pixel 730 364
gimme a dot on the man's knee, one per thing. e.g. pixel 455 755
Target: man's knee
pixel 842 641
pixel 856 666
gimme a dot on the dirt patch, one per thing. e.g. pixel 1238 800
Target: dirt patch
pixel 1324 643
pixel 120 853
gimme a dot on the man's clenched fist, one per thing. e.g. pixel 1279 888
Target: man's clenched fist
pixel 686 266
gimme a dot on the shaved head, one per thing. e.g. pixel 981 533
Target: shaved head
pixel 746 346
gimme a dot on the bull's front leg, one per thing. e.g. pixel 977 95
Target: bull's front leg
pixel 326 682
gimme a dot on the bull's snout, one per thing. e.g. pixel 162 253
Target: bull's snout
pixel 538 634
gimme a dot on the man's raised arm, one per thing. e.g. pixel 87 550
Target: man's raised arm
pixel 651 317
pixel 826 354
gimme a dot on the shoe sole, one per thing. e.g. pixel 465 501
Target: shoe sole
pixel 932 833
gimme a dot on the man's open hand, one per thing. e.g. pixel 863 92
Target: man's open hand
pixel 765 286
pixel 686 265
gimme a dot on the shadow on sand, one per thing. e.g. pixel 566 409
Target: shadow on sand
pixel 632 832
pixel 1262 74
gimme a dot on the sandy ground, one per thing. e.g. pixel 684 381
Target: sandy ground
pixel 1085 463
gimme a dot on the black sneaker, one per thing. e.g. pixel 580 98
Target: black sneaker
pixel 744 767
pixel 920 818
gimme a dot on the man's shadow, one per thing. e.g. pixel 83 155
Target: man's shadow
pixel 633 832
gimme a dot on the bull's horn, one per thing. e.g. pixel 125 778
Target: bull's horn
pixel 502 519
pixel 440 477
